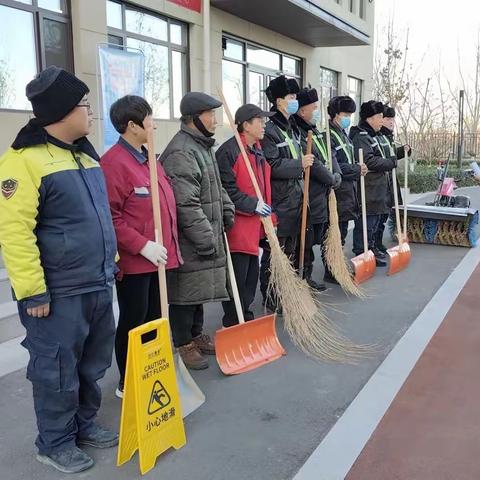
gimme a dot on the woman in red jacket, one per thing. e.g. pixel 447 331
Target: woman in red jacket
pixel 126 171
pixel 245 235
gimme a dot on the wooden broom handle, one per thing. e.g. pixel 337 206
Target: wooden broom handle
pixel 364 206
pixel 241 147
pixel 157 220
pixel 233 283
pixel 327 137
pixel 306 189
pixel 397 208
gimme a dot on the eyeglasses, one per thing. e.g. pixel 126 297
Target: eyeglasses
pixel 87 106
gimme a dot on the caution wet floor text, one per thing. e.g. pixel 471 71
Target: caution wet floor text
pixel 151 420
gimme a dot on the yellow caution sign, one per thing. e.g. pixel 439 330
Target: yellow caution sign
pixel 151 419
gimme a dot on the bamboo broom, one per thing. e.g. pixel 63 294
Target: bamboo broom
pixel 332 247
pixel 305 321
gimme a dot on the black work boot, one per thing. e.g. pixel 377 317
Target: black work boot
pixel 328 277
pixel 380 262
pixel 98 437
pixel 382 248
pixel 378 253
pixel 71 460
pixel 318 287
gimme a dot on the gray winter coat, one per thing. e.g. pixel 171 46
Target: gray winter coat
pixel 203 209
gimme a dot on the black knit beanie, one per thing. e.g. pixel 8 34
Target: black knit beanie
pixel 54 93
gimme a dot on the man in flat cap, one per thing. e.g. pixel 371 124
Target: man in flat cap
pixel 340 110
pixel 59 248
pixel 245 236
pixel 323 177
pixel 204 210
pixel 283 151
pixel 379 163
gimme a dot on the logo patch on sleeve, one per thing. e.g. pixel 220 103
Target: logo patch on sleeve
pixel 9 187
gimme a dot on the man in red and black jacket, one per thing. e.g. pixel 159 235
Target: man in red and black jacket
pixel 127 175
pixel 247 231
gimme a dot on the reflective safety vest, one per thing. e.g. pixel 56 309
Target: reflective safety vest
pixel 385 145
pixel 346 147
pixel 318 140
pixel 294 146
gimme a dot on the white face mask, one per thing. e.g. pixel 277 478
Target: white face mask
pixel 315 117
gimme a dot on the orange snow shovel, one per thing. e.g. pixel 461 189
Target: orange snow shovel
pixel 400 254
pixel 245 346
pixel 364 264
pixel 249 345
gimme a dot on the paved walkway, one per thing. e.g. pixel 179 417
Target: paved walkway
pixel 432 429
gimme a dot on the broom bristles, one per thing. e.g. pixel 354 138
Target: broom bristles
pixel 334 255
pixel 304 317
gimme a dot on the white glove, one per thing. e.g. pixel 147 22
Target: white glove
pixel 155 253
pixel 263 209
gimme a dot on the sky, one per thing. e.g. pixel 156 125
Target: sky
pixel 437 30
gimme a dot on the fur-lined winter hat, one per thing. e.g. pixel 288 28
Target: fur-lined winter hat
pixel 307 96
pixel 280 87
pixel 341 104
pixel 371 108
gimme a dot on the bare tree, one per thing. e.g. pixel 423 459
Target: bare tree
pixel 5 85
pixel 391 82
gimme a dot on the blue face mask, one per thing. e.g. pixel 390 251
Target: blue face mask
pixel 345 122
pixel 292 107
pixel 315 117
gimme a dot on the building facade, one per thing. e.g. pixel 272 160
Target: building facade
pixel 188 45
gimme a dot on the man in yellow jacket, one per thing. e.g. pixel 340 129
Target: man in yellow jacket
pixel 59 246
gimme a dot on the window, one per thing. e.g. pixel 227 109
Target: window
pixel 34 35
pixel 328 87
pixel 355 91
pixel 163 41
pixel 361 9
pixel 247 69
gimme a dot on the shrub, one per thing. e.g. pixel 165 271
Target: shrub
pixel 424 179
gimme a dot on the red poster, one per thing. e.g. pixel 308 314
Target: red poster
pixel 195 5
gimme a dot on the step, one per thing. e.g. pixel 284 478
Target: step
pixel 10 326
pixel 5 288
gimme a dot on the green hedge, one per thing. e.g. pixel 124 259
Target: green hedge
pixel 424 179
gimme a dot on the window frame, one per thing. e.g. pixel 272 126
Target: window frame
pixel 184 49
pixel 358 93
pixel 253 67
pixel 39 15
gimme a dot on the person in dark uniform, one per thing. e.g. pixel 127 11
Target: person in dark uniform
pixel 321 178
pixel 247 231
pixel 365 137
pixel 388 146
pixel 59 247
pixel 340 110
pixel 282 149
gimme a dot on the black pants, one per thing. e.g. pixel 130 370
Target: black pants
pixel 186 322
pixel 70 350
pixel 372 226
pixel 139 302
pixel 380 229
pixel 246 270
pixel 316 237
pixel 343 231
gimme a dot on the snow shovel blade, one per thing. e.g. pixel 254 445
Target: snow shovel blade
pixel 365 266
pixel 399 258
pixel 247 346
pixel 191 397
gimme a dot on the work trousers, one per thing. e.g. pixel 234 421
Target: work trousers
pixel 372 227
pixel 186 323
pixel 380 229
pixel 70 350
